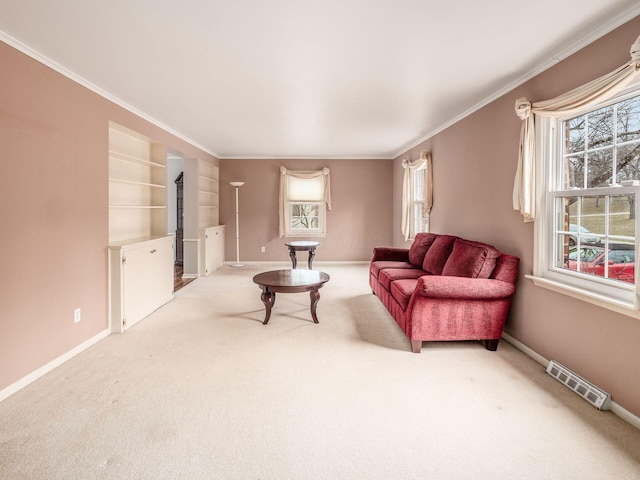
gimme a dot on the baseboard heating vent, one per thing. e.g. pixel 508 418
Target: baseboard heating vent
pixel 592 394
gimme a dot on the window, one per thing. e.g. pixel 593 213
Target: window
pixel 420 216
pixel 417 188
pixel 305 217
pixel 588 238
pixel 578 179
pixel 304 199
pixel 305 202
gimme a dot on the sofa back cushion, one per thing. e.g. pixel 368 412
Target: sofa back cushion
pixel 471 259
pixel 419 247
pixel 506 268
pixel 437 254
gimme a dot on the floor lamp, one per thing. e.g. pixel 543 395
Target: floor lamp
pixel 237 264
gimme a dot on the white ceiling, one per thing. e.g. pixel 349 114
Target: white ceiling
pixel 305 79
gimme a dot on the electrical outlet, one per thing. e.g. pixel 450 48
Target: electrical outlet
pixel 263 249
pixel 77 315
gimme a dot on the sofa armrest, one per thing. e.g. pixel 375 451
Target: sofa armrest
pixel 438 286
pixel 391 254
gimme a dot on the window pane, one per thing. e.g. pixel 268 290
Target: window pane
pixel 563 213
pixel 420 219
pixel 600 128
pixel 574 134
pixel 573 172
pixel 305 216
pixel 564 249
pixel 418 186
pixel 629 120
pixel 622 222
pixel 628 162
pixel 563 239
pixel 600 168
pixel 588 226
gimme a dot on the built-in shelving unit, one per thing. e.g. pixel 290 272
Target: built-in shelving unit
pixel 137 186
pixel 208 202
pixel 140 251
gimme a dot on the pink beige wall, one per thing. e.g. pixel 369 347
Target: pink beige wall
pixel 54 212
pixel 359 220
pixel 474 166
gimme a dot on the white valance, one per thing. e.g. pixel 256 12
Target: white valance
pixel 565 105
pixel 412 168
pixel 285 176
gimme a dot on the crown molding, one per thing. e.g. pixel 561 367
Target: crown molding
pixel 299 157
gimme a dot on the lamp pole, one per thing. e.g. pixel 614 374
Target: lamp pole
pixel 237 185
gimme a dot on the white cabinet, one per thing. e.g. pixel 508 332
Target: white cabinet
pixel 141 280
pixel 213 249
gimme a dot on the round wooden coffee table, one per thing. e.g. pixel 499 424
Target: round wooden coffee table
pixel 290 281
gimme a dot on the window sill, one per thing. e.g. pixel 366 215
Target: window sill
pixel 305 235
pixel 621 307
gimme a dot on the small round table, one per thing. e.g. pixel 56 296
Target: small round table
pixel 290 281
pixel 302 245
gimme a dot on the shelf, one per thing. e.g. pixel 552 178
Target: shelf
pixel 133 159
pixel 208 196
pixel 138 240
pixel 137 184
pixel 144 207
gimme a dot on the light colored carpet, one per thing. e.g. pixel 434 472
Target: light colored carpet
pixel 202 390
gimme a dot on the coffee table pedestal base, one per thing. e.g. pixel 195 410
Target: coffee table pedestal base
pixel 290 281
pixel 269 299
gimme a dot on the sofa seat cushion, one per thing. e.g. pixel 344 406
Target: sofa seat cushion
pixel 402 290
pixel 438 253
pixel 388 275
pixel 419 248
pixel 471 259
pixel 382 264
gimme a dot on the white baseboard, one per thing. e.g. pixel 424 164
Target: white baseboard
pixel 526 350
pixel 625 415
pixel 616 409
pixel 33 376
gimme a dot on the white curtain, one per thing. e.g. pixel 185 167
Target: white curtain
pixel 284 193
pixel 412 168
pixel 570 103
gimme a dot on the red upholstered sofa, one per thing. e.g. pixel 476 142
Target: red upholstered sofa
pixel 445 288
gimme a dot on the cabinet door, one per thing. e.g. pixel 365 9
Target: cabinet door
pixel 147 280
pixel 213 250
pixel 218 248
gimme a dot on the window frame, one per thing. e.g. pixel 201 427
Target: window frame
pixel 609 293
